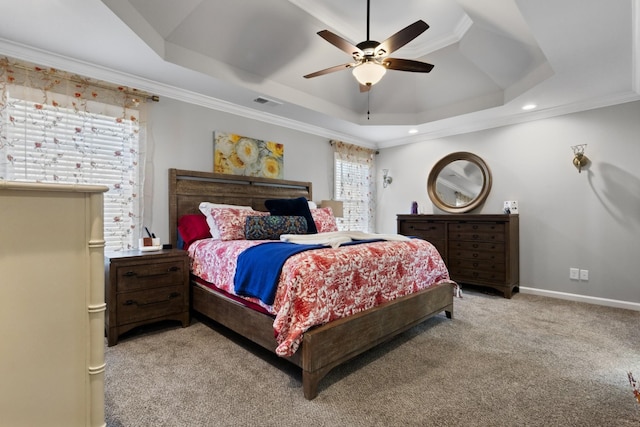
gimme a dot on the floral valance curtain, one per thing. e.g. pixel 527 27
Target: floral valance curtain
pixel 355 185
pixel 57 126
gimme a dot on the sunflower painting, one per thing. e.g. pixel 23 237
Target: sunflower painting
pixel 241 155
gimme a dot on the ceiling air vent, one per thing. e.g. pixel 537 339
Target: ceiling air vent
pixel 266 101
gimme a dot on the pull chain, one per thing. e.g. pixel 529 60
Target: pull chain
pixel 368 102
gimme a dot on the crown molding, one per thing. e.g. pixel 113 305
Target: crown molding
pixel 449 127
pixel 41 57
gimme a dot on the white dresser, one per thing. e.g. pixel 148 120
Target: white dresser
pixel 51 305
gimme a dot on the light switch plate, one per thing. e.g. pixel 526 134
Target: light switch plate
pixel 574 273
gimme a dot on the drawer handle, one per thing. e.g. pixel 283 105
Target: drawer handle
pixel 143 304
pixel 475 236
pixel 169 270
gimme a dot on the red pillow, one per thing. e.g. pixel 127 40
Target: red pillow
pixel 193 227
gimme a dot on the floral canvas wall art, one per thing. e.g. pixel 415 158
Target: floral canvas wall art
pixel 240 155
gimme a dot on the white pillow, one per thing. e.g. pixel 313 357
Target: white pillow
pixel 312 205
pixel 205 208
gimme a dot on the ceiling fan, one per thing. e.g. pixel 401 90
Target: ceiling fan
pixel 371 59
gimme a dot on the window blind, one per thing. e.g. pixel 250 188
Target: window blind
pixel 47 143
pixel 351 187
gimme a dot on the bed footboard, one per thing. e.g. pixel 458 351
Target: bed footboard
pixel 330 345
pixel 327 346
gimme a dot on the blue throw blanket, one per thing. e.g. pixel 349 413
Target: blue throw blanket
pixel 259 267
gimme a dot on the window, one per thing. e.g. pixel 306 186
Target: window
pixel 354 186
pixel 48 136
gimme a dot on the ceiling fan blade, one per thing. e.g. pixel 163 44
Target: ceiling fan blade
pixel 340 43
pixel 407 65
pixel 401 38
pixel 328 70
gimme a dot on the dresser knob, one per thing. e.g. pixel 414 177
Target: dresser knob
pixel 130 274
pixel 174 268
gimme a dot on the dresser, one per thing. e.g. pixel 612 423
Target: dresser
pixel 478 249
pixel 52 307
pixel 143 288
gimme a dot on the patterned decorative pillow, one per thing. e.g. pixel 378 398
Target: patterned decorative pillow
pixel 205 208
pixel 271 227
pixel 230 221
pixel 324 219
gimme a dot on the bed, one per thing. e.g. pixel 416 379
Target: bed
pixel 325 346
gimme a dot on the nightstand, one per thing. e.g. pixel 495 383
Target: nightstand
pixel 145 287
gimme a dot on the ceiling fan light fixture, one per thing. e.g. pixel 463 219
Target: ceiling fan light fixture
pixel 369 73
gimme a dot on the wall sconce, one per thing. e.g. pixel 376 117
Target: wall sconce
pixel 335 205
pixel 386 179
pixel 579 159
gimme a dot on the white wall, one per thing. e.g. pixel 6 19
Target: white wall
pixel 588 220
pixel 182 136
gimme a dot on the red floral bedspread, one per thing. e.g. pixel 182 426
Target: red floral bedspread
pixel 319 286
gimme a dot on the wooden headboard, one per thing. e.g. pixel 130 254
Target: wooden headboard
pixel 188 188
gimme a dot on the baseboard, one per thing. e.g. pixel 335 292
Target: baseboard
pixel 581 298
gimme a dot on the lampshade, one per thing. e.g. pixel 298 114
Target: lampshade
pixel 335 205
pixel 369 73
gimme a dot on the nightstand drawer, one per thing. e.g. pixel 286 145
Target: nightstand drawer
pixel 149 276
pixel 149 304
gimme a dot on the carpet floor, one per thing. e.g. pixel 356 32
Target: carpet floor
pixel 525 361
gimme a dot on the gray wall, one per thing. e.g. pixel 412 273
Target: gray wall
pixel 588 220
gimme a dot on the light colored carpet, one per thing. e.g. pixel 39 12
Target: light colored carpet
pixel 528 361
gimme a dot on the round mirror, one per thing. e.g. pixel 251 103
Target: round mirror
pixel 459 182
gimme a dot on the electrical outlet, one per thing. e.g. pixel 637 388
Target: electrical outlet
pixel 574 273
pixel 584 274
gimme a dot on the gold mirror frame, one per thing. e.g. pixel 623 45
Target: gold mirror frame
pixel 444 162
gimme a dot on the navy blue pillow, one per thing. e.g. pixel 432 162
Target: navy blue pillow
pixel 292 207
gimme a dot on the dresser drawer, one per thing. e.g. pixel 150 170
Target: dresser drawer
pixel 145 276
pixel 149 304
pixel 477 276
pixel 481 236
pixel 465 245
pixel 476 255
pixel 477 227
pixel 423 229
pixel 477 231
pixel 469 265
